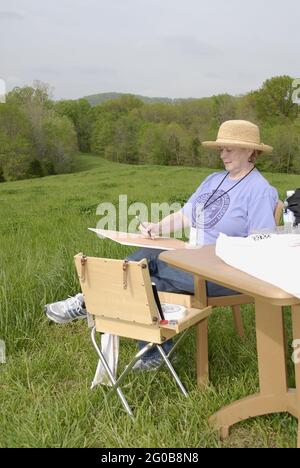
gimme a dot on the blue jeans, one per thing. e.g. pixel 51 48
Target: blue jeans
pixel 171 279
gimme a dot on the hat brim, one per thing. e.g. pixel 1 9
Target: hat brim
pixel 237 144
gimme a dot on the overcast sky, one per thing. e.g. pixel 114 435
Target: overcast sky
pixel 173 48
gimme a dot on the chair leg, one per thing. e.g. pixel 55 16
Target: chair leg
pixel 130 366
pixel 238 321
pixel 177 343
pixel 172 370
pixel 115 383
pixel 110 375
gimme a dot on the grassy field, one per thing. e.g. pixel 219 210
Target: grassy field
pixel 45 399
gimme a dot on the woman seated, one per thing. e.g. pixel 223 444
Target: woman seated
pixel 236 202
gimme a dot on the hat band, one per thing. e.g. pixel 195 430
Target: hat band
pixel 238 140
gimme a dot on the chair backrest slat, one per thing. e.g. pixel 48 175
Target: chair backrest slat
pixel 105 296
pixel 278 212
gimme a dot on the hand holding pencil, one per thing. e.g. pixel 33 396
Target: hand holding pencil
pixel 148 230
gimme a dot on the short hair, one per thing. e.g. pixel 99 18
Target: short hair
pixel 254 156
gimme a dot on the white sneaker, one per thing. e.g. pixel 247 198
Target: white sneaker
pixel 67 310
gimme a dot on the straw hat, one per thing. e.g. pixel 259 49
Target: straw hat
pixel 239 134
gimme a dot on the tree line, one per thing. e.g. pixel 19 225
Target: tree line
pixel 39 136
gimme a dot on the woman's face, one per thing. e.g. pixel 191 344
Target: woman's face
pixel 235 159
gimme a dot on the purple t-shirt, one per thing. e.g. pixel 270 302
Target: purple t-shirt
pixel 247 207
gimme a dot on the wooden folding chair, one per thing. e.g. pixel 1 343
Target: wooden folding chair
pixel 119 295
pixel 234 301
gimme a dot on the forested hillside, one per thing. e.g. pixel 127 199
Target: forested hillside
pixel 39 136
pixel 95 99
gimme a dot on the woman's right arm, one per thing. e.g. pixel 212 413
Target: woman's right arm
pixel 172 223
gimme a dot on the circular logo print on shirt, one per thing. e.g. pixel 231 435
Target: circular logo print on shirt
pixel 215 211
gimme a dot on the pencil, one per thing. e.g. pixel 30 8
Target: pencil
pixel 143 226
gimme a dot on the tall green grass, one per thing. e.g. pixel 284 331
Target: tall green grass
pixel 45 398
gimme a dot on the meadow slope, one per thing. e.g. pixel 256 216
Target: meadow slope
pixel 45 395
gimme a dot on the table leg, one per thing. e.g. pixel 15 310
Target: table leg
pixel 296 336
pixel 271 349
pixel 200 301
pixel 273 396
pixel 202 353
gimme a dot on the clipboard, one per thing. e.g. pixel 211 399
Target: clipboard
pixel 137 240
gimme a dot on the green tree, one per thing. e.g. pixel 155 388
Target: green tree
pixel 79 112
pixel 115 123
pixel 224 108
pixel 178 144
pixel 285 139
pixel 39 93
pixel 274 102
pixel 13 121
pixel 15 157
pixel 159 113
pixel 195 113
pixel 40 141
pixel 102 133
pixel 35 103
pixel 125 139
pixel 16 150
pixel 152 145
pixel 60 143
pixel 122 105
pixel 246 108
